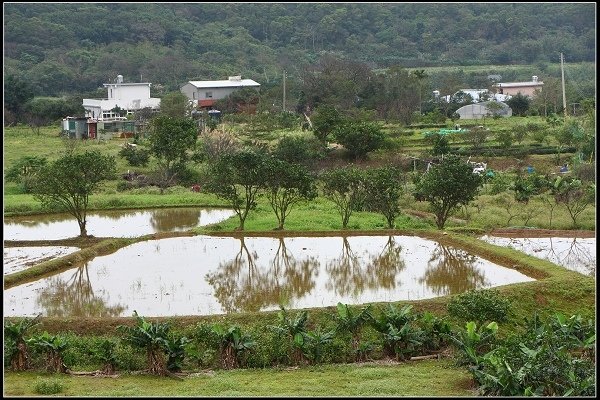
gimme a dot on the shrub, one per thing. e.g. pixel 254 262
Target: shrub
pixel 298 149
pixel 480 306
pixel 135 157
pixel 48 386
pixel 549 358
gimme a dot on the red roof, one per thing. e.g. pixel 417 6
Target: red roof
pixel 206 103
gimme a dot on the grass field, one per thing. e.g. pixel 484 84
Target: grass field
pixel 429 378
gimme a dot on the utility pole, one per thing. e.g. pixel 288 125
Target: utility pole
pixel 562 71
pixel 284 90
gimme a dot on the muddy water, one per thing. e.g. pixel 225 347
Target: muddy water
pixel 114 223
pixel 204 275
pixel 577 254
pixel 19 258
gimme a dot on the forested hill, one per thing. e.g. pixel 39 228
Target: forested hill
pixel 66 48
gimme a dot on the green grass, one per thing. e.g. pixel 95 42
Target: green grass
pixel 424 378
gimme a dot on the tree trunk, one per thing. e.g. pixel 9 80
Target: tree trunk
pixel 156 363
pixel 82 229
pixel 20 362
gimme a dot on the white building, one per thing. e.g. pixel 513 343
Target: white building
pixel 481 110
pixel 479 95
pixel 204 93
pixel 129 97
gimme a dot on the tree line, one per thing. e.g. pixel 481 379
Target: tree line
pixel 74 48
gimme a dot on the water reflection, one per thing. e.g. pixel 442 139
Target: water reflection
pixel 451 271
pixel 241 286
pixel 113 223
pixel 350 275
pixel 576 254
pixel 204 275
pixel 74 297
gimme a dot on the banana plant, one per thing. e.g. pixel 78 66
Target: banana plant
pixel 390 322
pixel 353 322
pixel 175 348
pixel 14 333
pixel 53 346
pixel 104 351
pixel 403 342
pixel 471 341
pixel 314 343
pixel 152 337
pixel 293 328
pixel 232 344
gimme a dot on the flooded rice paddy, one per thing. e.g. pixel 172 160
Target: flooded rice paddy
pixel 113 223
pixel 205 275
pixel 576 254
pixel 19 258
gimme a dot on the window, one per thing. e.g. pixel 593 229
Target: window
pixel 208 95
pixel 195 95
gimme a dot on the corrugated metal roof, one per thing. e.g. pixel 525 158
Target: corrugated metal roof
pixel 224 83
pixel 519 84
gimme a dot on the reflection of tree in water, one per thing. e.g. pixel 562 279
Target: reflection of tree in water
pixel 452 271
pixel 385 266
pixel 348 276
pixel 170 220
pixel 75 297
pixel 576 256
pixel 252 290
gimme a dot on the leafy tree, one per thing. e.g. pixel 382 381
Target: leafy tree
pixel 344 186
pixel 238 101
pixel 383 191
pixel 175 105
pixel 170 141
pixel 14 332
pixel 520 133
pixel 23 171
pixel 359 138
pixel 505 138
pixel 17 92
pixel 447 186
pixel 237 178
pixel 477 137
pixel 299 149
pixel 440 144
pixel 519 104
pixel 574 195
pixel 69 181
pixel 421 75
pixel 324 120
pixel 136 157
pixel 286 185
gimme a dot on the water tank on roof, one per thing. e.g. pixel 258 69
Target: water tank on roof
pixel 119 78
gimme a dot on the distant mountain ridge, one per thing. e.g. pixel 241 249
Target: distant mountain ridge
pixel 64 48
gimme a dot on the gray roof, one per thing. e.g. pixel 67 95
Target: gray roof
pixel 229 83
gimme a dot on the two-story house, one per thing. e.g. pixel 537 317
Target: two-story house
pixel 203 94
pixel 128 97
